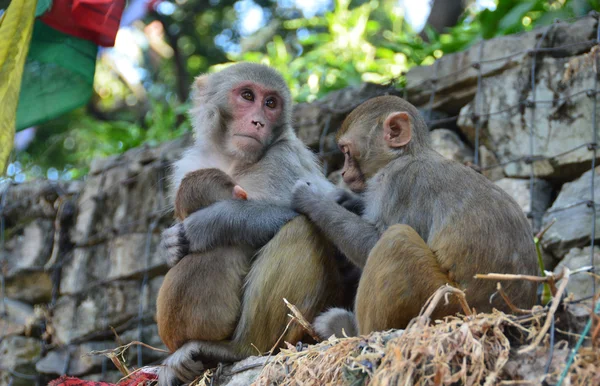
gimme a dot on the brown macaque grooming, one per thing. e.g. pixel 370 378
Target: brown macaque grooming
pixel 200 297
pixel 241 117
pixel 427 221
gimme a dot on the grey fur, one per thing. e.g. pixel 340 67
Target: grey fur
pixel 336 321
pixel 353 235
pixel 400 194
pixel 235 222
pixel 349 200
pixel 268 177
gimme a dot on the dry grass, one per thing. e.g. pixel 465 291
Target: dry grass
pixel 475 349
pixel 466 350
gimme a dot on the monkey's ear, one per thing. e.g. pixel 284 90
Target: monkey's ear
pixel 239 193
pixel 199 86
pixel 397 129
pixel 200 81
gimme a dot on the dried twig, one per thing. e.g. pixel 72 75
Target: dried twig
pixel 509 303
pixel 116 355
pixel 551 312
pixel 434 300
pixel 298 317
pixel 513 277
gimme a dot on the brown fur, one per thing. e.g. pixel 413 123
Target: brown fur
pixel 294 260
pixel 200 297
pixel 427 221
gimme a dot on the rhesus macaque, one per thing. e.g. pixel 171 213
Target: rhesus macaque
pixel 427 221
pixel 209 284
pixel 242 124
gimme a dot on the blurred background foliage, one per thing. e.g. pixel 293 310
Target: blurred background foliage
pixel 141 85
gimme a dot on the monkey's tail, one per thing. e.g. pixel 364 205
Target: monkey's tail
pixel 336 321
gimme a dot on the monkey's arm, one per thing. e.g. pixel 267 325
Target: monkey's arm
pixel 225 223
pixel 350 233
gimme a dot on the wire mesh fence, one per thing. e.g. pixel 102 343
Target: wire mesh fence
pixel 152 222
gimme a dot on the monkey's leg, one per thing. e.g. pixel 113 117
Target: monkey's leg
pixel 297 264
pixel 401 273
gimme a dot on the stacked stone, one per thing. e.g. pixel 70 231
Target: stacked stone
pixel 80 258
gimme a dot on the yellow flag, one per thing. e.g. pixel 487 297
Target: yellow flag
pixel 16 26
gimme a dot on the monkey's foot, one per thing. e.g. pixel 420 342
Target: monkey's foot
pixel 181 367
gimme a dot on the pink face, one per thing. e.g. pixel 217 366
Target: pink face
pixel 256 111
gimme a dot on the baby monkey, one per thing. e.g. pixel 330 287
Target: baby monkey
pixel 200 296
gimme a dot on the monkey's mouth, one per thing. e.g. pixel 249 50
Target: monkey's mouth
pixel 248 136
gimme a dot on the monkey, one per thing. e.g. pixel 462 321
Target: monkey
pixel 209 283
pixel 427 222
pixel 242 125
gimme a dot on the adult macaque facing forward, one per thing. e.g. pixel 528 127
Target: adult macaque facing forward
pixel 427 221
pixel 241 117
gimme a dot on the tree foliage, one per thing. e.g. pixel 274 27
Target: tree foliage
pixel 345 43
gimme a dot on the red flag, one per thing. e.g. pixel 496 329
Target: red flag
pixel 95 20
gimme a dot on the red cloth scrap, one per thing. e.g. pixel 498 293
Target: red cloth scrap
pixel 137 379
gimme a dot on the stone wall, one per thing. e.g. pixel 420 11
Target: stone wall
pixel 79 259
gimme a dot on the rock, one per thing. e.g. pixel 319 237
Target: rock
pixel 457 77
pixel 573 225
pixel 30 286
pixel 122 200
pixel 19 354
pixel 573 38
pixel 326 115
pixel 531 366
pixel 16 317
pixel 35 199
pixel 562 84
pixel 580 284
pixel 79 363
pixel 449 144
pixel 241 377
pixel 123 257
pixel 520 190
pixel 143 155
pixel 29 246
pixel 457 73
pixel 106 304
pixel 489 162
pixel 149 337
pixel 573 317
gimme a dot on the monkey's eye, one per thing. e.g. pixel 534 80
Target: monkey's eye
pixel 271 103
pixel 247 95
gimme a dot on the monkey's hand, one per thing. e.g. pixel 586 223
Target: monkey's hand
pixel 304 195
pixel 350 201
pixel 174 244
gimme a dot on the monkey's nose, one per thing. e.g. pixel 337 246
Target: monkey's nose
pixel 258 123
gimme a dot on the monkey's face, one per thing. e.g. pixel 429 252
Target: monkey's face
pixel 256 113
pixel 352 173
pixel 368 147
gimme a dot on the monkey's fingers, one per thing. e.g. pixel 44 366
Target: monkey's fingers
pixel 174 244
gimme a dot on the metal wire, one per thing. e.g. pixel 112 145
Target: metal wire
pixel 434 81
pixel 532 123
pixel 147 253
pixel 594 150
pixel 435 87
pixel 477 108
